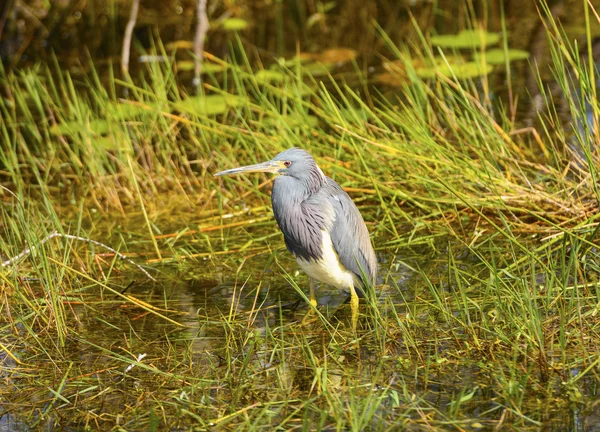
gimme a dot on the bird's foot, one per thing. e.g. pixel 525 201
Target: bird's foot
pixel 311 314
pixel 310 317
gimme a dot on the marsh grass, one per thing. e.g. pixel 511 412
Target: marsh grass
pixel 487 315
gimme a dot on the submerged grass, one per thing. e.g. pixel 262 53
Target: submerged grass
pixel 488 311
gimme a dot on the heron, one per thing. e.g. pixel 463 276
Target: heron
pixel 321 225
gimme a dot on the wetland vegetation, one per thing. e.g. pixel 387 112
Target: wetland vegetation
pixel 473 159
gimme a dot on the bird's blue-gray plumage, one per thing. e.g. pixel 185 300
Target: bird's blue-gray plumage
pixel 321 225
pixel 307 204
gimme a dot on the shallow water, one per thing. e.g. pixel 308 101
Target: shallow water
pixel 225 316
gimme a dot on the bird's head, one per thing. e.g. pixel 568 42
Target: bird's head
pixel 294 162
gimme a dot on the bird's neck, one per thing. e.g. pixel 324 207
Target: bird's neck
pixel 290 191
pixel 313 183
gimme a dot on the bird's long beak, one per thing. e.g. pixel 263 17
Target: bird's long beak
pixel 268 166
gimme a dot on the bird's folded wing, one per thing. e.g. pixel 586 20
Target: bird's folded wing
pixel 350 237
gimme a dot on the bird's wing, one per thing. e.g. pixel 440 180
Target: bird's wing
pixel 349 234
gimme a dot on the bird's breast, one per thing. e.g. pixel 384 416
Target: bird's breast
pixel 328 268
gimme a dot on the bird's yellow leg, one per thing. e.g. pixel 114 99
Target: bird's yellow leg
pixel 313 302
pixel 354 307
pixel 313 297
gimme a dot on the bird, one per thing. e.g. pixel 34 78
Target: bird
pixel 321 225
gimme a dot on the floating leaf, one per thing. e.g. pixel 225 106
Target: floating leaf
pixel 209 105
pixel 466 39
pixel 305 56
pixel 212 68
pixel 318 69
pixel 299 59
pixel 185 65
pixel 180 44
pixel 322 63
pixel 460 70
pixel 337 55
pixel 292 120
pixel 109 143
pixel 391 79
pixel 468 70
pixel 207 67
pixel 234 24
pixel 152 59
pixel 100 126
pixel 97 126
pixel 127 111
pixel 448 66
pixel 498 56
pixel 269 75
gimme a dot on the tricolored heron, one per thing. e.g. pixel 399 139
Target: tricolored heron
pixel 321 225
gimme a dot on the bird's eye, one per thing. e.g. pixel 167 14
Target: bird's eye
pixel 287 164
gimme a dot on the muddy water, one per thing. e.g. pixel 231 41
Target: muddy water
pixel 227 307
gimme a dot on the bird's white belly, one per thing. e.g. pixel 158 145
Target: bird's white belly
pixel 328 269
